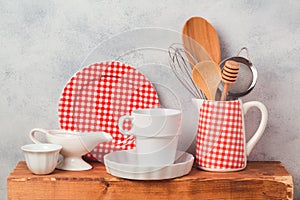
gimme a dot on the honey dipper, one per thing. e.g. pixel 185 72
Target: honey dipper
pixel 229 76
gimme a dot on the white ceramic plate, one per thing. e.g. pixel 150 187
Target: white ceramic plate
pixel 123 164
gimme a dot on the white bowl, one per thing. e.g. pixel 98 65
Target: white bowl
pixel 41 158
pixel 124 164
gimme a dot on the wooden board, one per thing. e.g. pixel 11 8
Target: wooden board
pixel 260 180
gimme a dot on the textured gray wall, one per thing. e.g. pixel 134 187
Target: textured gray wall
pixel 43 43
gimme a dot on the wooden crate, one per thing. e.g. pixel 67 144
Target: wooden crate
pixel 260 180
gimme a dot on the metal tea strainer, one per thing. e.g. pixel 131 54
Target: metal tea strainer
pixel 246 79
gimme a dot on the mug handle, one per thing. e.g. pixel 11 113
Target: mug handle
pixel 121 122
pixel 260 130
pixel 32 133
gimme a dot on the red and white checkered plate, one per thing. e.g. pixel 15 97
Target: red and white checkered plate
pixel 95 98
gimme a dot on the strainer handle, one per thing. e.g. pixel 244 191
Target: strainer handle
pixel 247 52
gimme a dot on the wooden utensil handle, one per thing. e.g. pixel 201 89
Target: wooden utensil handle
pixel 224 92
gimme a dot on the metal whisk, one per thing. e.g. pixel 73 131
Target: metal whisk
pixel 182 68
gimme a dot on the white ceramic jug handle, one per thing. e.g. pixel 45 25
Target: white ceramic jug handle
pixel 260 130
pixel 121 122
pixel 33 131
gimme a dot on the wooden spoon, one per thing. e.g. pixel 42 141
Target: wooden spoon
pixel 207 77
pixel 197 29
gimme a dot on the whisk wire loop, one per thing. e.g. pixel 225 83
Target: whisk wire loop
pixel 182 68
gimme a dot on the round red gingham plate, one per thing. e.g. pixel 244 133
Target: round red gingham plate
pixel 95 98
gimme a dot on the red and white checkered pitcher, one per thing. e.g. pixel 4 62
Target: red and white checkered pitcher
pixel 221 140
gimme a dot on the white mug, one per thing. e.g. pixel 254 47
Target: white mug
pixel 156 132
pixel 156 151
pixel 41 158
pixel 152 122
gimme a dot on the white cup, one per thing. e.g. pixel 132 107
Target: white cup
pixel 152 122
pixel 156 132
pixel 156 151
pixel 41 158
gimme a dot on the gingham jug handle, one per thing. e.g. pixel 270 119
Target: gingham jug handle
pixel 260 130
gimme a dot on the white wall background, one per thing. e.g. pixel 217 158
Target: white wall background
pixel 43 43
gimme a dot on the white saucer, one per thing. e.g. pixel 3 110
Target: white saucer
pixel 123 164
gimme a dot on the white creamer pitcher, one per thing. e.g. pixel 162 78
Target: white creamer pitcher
pixel 74 145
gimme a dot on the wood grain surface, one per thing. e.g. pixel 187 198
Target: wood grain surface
pixel 260 180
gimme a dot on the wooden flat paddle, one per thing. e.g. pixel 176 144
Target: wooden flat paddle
pixel 199 30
